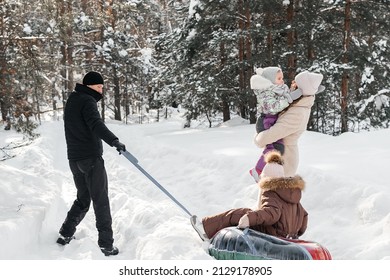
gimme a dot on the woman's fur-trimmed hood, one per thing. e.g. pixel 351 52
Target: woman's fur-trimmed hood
pixel 288 188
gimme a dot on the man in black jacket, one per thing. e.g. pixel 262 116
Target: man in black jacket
pixel 84 132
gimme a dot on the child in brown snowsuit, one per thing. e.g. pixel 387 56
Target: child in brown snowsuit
pixel 279 211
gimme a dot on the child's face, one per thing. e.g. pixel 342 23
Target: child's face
pixel 279 78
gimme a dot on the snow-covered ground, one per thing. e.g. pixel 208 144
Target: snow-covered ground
pixel 206 169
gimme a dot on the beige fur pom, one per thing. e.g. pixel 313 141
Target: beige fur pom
pixel 274 156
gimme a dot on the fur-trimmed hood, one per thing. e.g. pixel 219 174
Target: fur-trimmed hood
pixel 288 188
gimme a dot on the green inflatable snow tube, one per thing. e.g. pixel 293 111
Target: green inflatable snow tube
pixel 235 244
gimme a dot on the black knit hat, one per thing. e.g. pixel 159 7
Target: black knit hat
pixel 93 78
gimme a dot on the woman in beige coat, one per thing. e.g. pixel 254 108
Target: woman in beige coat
pixel 293 122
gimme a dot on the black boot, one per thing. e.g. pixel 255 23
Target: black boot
pixel 112 251
pixel 62 240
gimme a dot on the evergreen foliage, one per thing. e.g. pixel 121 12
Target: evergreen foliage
pixel 199 54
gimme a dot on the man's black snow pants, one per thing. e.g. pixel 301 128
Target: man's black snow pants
pixel 90 178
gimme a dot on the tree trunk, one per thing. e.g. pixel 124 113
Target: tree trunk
pixel 53 97
pixel 225 103
pixel 70 47
pixel 127 99
pixel 345 60
pixel 268 25
pixel 310 44
pixel 3 67
pixel 241 47
pixel 65 14
pixel 101 38
pixel 117 95
pixel 291 35
pixel 252 102
pixel 225 110
pixel 245 54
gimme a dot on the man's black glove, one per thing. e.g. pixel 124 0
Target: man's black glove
pixel 119 146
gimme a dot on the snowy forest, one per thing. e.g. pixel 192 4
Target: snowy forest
pixel 194 54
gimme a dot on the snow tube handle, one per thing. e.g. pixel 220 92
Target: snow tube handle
pixel 129 156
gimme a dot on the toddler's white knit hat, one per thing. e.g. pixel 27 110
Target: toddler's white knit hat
pixel 269 73
pixel 274 165
pixel 264 77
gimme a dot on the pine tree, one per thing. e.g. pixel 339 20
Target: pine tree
pixel 211 59
pixel 197 54
pixel 371 83
pixel 346 59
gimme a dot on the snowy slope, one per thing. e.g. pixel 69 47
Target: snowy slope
pixel 205 169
